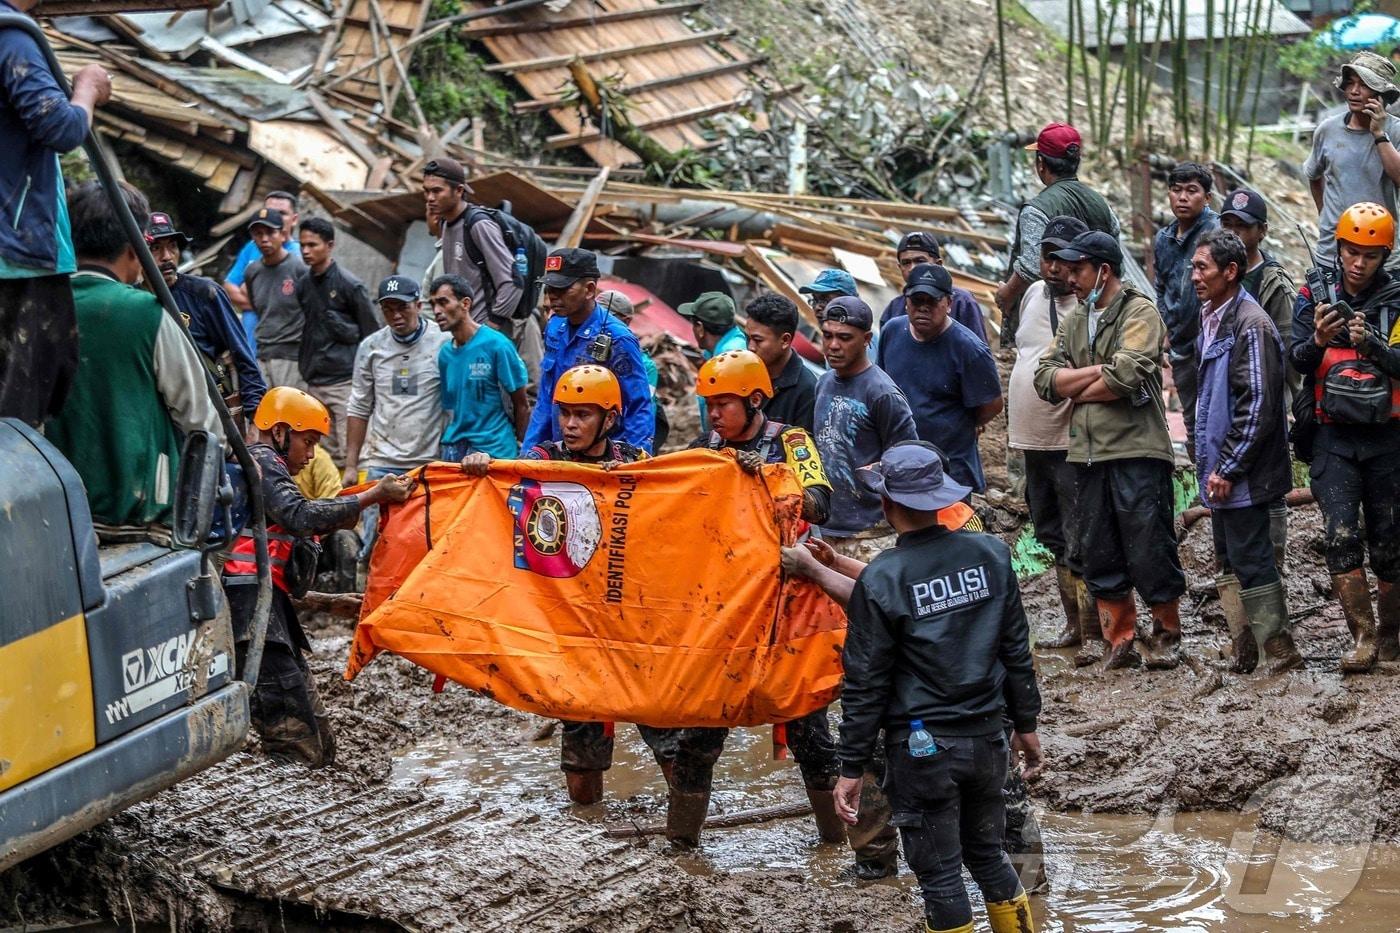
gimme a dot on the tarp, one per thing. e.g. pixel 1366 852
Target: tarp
pixel 651 593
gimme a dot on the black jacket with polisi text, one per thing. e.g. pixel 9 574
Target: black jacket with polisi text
pixel 936 632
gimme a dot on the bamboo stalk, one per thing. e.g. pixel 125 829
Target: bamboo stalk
pixel 1069 65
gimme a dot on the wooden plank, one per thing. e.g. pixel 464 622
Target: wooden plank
pixel 565 140
pixel 556 61
pixel 574 22
pixel 656 84
pixel 240 191
pixel 572 234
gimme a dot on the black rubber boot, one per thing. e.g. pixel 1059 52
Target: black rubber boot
pixel 1070 636
pixel 685 817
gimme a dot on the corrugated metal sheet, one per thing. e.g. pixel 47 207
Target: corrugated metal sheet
pixel 93 7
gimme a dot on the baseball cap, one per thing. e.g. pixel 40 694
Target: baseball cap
pixel 1062 230
pixel 449 170
pixel 399 288
pixel 1247 205
pixel 617 303
pixel 911 474
pixel 710 308
pixel 1057 140
pixel 928 278
pixel 1095 244
pixel 831 280
pixel 161 226
pixel 267 217
pixel 848 309
pixel 926 242
pixel 564 267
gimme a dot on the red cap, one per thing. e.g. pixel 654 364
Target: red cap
pixel 1054 141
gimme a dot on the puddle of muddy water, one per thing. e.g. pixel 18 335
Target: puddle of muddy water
pixel 1109 873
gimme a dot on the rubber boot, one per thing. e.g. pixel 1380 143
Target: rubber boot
pixel 585 787
pixel 1091 645
pixel 291 739
pixel 324 732
pixel 668 770
pixel 1070 637
pixel 1387 621
pixel 1354 593
pixel 830 827
pixel 685 817
pixel 1244 652
pixel 1164 647
pixel 965 928
pixel 1013 916
pixel 1267 608
pixel 1118 620
pixel 1278 534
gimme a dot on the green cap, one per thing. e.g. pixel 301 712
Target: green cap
pixel 710 308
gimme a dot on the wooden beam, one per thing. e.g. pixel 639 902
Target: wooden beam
pixel 572 234
pixel 655 84
pixel 491 30
pixel 622 51
pixel 347 135
pixel 565 140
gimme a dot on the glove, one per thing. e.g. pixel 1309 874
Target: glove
pixel 749 461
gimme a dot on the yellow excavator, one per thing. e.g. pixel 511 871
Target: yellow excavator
pixel 117 670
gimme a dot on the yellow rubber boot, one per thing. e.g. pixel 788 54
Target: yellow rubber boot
pixel 1013 916
pixel 965 928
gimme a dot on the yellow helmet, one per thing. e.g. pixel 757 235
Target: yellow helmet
pixel 589 384
pixel 294 408
pixel 734 372
pixel 1367 224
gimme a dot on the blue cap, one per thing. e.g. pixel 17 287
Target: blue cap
pixel 911 474
pixel 399 288
pixel 837 281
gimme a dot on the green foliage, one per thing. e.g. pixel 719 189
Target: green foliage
pixel 451 83
pixel 1030 558
pixel 1316 54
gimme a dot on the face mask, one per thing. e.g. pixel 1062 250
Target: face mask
pixel 1096 292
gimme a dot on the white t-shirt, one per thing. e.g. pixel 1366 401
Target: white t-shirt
pixel 1031 422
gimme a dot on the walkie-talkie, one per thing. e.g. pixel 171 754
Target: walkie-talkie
pixel 1322 281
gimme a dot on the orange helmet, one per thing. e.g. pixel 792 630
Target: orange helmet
pixel 734 372
pixel 589 384
pixel 294 408
pixel 1367 224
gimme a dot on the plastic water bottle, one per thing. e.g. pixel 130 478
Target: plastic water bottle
pixel 522 265
pixel 921 744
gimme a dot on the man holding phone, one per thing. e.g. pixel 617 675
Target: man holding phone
pixel 1354 159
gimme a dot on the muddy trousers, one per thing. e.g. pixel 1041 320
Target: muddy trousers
pixel 950 813
pixel 1051 493
pixel 1348 487
pixel 38 346
pixel 1022 840
pixel 588 746
pixel 1243 545
pixel 1126 534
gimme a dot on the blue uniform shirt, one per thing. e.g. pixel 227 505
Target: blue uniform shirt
pixel 215 327
pixel 565 347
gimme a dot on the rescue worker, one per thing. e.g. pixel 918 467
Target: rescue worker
pixel 1106 359
pixel 588 400
pixel 938 648
pixel 213 324
pixel 578 332
pixel 836 573
pixel 736 385
pixel 1342 354
pixel 1242 451
pixel 286 707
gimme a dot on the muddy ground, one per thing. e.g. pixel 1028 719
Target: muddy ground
pixel 371 844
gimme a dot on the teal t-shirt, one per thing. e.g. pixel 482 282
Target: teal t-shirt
pixel 734 339
pixel 474 376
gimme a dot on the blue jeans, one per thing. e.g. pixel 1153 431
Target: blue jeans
pixel 949 811
pixel 369 518
pixel 454 451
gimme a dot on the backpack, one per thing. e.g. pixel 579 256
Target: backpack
pixel 516 234
pixel 1354 390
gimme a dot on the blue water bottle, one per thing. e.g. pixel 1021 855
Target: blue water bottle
pixel 522 265
pixel 921 744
